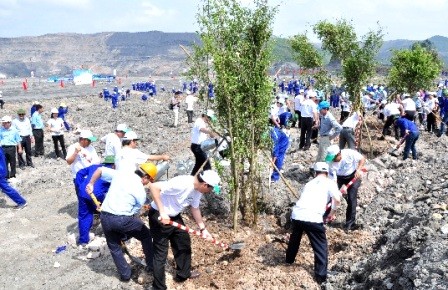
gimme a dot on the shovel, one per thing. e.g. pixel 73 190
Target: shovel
pixel 237 246
pixel 133 258
pixel 393 150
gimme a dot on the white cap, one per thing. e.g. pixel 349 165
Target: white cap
pixel 210 113
pixel 188 92
pixel 131 135
pixel 54 111
pixel 6 119
pixel 383 102
pixel 210 177
pixel 311 94
pixel 332 151
pixel 122 127
pixel 87 134
pixel 301 91
pixel 321 167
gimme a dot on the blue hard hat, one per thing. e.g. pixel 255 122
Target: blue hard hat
pixel 323 105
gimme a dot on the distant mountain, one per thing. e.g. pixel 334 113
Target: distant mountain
pixel 136 54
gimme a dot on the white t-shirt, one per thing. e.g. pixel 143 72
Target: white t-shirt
pixel 309 107
pixel 298 102
pixel 178 193
pixel 348 164
pixel 408 104
pixel 197 137
pixel 113 144
pixel 391 109
pixel 86 157
pixel 56 126
pixel 126 193
pixel 351 121
pixel 129 158
pixel 189 100
pixel 314 198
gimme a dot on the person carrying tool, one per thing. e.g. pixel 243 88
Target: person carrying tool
pixel 307 217
pixel 119 219
pixel 169 200
pixel 130 157
pixel 113 140
pixel 410 133
pixel 345 165
pixel 199 134
pixel 281 143
pixel 87 205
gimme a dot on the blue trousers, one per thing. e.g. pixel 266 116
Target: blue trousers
pixel 410 145
pixel 279 163
pixel 11 192
pixel 86 210
pixel 116 228
pixel 318 239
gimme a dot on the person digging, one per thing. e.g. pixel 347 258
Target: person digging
pixel 307 217
pixel 345 165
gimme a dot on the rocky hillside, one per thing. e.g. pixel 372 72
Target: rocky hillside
pixel 133 54
pixel 143 53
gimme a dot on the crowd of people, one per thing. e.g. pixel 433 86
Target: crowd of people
pixel 114 186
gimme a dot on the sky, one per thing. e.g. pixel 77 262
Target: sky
pixel 400 19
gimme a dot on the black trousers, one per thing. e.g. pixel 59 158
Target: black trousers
pixel 118 227
pixel 60 139
pixel 351 197
pixel 190 116
pixel 38 142
pixel 26 146
pixel 305 132
pixel 163 235
pixel 344 115
pixel 10 158
pixel 318 239
pixel 200 157
pixel 390 122
pixel 431 122
pixel 299 117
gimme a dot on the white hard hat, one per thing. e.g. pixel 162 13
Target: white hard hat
pixel 210 177
pixel 54 111
pixel 321 167
pixel 131 135
pixel 6 119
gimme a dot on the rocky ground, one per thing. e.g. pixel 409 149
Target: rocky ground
pixel 402 207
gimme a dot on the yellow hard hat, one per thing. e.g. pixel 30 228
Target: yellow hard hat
pixel 149 168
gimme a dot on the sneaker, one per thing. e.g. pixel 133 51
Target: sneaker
pixel 20 206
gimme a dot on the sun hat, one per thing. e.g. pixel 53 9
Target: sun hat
pixel 21 112
pixel 110 159
pixel 87 134
pixel 332 151
pixel 122 128
pixel 323 105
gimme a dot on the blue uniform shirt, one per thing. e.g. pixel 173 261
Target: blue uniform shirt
pixel 280 141
pixel 404 124
pixel 9 137
pixel 36 121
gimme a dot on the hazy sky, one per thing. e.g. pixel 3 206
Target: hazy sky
pixel 401 19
